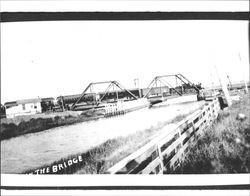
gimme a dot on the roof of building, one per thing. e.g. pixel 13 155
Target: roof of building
pixel 47 99
pixel 70 96
pixel 24 101
pixel 10 104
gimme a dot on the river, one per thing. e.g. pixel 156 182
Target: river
pixel 36 149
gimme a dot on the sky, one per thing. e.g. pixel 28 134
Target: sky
pixel 62 57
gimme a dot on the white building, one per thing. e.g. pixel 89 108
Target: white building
pixel 23 107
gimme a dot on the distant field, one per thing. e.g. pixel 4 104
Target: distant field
pixel 225 146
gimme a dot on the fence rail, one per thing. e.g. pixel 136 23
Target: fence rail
pixel 164 153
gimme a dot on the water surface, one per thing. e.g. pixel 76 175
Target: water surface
pixel 36 149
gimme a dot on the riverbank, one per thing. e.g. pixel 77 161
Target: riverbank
pixel 45 147
pixel 21 125
pixel 35 123
pixel 99 159
pixel 225 146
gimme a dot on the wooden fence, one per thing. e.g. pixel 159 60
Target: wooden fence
pixel 164 153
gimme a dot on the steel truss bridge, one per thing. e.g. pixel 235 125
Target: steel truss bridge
pixel 159 89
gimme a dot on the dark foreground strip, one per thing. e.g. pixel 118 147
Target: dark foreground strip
pixel 57 16
pixel 213 187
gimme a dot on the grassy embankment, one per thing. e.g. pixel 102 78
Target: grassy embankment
pixel 100 158
pixel 36 123
pixel 224 147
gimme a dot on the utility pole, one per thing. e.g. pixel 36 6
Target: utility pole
pixel 230 83
pixel 62 103
pixel 117 95
pixel 212 83
pixel 136 82
pixel 246 89
pixel 224 87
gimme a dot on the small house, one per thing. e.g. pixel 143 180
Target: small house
pixel 23 107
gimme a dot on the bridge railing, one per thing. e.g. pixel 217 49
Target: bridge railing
pixel 164 153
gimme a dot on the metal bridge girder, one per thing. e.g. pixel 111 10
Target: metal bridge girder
pixel 111 83
pixel 183 79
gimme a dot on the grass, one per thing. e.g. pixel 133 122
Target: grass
pixel 17 119
pixel 224 147
pixel 99 159
pixel 19 127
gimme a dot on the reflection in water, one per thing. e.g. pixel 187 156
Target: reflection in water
pixel 34 150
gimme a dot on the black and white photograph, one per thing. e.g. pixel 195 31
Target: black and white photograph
pixel 123 95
